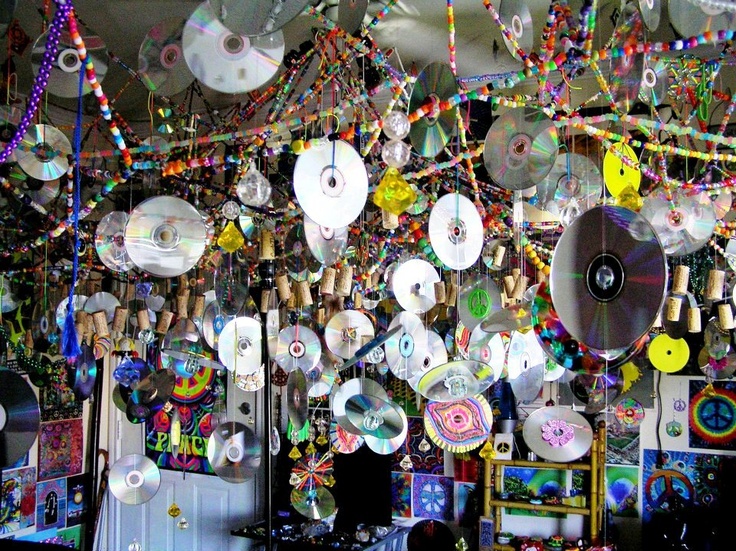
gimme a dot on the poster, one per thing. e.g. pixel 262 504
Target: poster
pixel 426 456
pixel 77 494
pixel 433 497
pixel 531 483
pixel 18 499
pixel 51 504
pixel 622 490
pixel 401 495
pixel 712 415
pixel 60 449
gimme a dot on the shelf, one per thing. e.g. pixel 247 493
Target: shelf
pixel 541 464
pixel 566 509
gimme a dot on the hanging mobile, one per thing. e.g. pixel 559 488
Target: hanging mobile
pixel 674 427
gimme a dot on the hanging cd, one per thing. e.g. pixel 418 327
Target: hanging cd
pixel 629 413
pixel 110 241
pixel 226 61
pixel 436 356
pixel 165 236
pixel 102 302
pixel 321 379
pixel 298 347
pixel 717 369
pixel 683 223
pixel 371 349
pixel 617 174
pixel 296 252
pixel 608 277
pixel 61 310
pixel 315 503
pixel 373 416
pixel 477 299
pixel 429 135
pixel 327 245
pixel 213 322
pixel 346 332
pixel 406 350
pixel 134 479
pixel 488 348
pixel 256 17
pixel 717 341
pixel 161 63
pixel 42 322
pixel 234 452
pixel 63 79
pixel 331 183
pixel 150 395
pixel 625 80
pixel 43 152
pixel 82 373
pixel 350 14
pixel 525 366
pixel 459 426
pixel 386 446
pixel 413 285
pixel 597 391
pixel 456 231
pixel 651 11
pixel 351 388
pixel 516 16
pixel 40 191
pixel 692 18
pixel 573 176
pixel 21 417
pixel 231 294
pixel 558 434
pixel 654 82
pixel 455 380
pixel 344 441
pixel 180 347
pixel 521 148
pixel 239 345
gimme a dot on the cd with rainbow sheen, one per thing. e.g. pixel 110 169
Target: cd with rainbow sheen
pixel 516 16
pixel 327 245
pixel 456 231
pixel 21 417
pixel 573 176
pixel 406 350
pixel 651 12
pixel 234 452
pixel 62 308
pixel 692 17
pixel 373 416
pixel 213 322
pixel 654 82
pixel 455 380
pixel 110 241
pixel 489 348
pixel 298 347
pixel 683 223
pixel 134 479
pixel 521 148
pixel 344 441
pixel 40 191
pixel 161 63
pixel 102 302
pixel 386 446
pixel 347 331
pixel 43 152
pixel 430 134
pixel 313 503
pixel 597 391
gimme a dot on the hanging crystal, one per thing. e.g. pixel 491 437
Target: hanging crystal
pixel 394 194
pixel 253 188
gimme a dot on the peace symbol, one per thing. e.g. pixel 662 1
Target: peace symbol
pixel 479 303
pixel 716 414
pixel 667 485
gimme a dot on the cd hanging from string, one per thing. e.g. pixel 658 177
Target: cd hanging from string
pixel 386 446
pixel 298 347
pixel 477 299
pixel 296 252
pixel 413 285
pixel 62 309
pixel 558 434
pixel 315 503
pixel 455 380
pixel 692 18
pixel 651 11
pixel 214 321
pixel 161 63
pixel 488 348
pixel 621 169
pixel 82 373
pixel 134 479
pixel 436 356
pixel 256 17
pixel 525 363
pixel 516 16
pixel 102 302
pixel 150 395
pixel 331 183
pixel 573 177
pixel 654 82
pixel 110 241
pixel 327 245
pixel 456 231
pixel 406 350
pixel 346 332
pixel 354 387
pixel 350 14
pixel 21 417
pixel 43 152
pixel 234 452
pixel 373 416
pixel 239 345
pixel 227 61
pixel 430 134
pixel 597 391
pixel 40 191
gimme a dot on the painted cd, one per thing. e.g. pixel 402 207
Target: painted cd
pixel 373 416
pixel 386 446
pixel 40 191
pixel 344 441
pixel 459 426
pixel 43 152
pixel 256 17
pixel 315 503
pixel 165 236
pixel 521 148
pixel 654 82
pixel 234 452
pixel 63 79
pixel 683 223
pixel 327 245
pixel 347 331
pixel 573 177
pixel 83 373
pixel 516 16
pixel 455 380
pixel 456 231
pixel 227 61
pixel 430 134
pixel 406 350
pixel 620 169
pixel 608 277
pixel 297 347
pixel 110 241
pixel 239 345
pixel 21 415
pixel 413 285
pixel 61 310
pixel 629 413
pixel 134 479
pixel 558 434
pixel 102 302
pixel 161 63
pixel 331 183
pixel 477 299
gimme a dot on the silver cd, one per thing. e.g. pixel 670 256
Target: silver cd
pixel 488 348
pixel 516 16
pixel 234 452
pixel 63 80
pixel 297 400
pixel 558 434
pixel 134 479
pixel 456 380
pixel 61 310
pixel 374 416
pixel 684 223
pixel 327 245
pixel 213 322
pixel 456 231
pixel 655 82
pixel 161 63
pixel 256 17
pixel 692 18
pixel 226 61
pixel 296 253
pixel 525 363
pixel 239 346
pixel 477 299
pixel 436 355
pixel 413 285
pixel 110 241
pixel 102 301
pixel 608 277
pixel 347 331
pixel 165 236
pixel 406 350
pixel 430 134
pixel 42 154
pixel 21 417
pixel 297 347
pixel 573 177
pixel 40 191
pixel 651 11
pixel 351 388
pixel 386 446
pixel 331 183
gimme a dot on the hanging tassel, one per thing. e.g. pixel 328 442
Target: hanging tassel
pixel 69 343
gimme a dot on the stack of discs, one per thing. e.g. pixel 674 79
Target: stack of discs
pixel 370 415
pixel 134 479
pixel 456 231
pixel 413 285
pixel 429 135
pixel 234 452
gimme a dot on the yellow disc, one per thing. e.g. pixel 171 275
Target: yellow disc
pixel 618 175
pixel 667 354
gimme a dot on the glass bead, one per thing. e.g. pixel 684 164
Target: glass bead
pixel 231 239
pixel 393 193
pixel 253 188
pixel 230 210
pixel 396 125
pixel 396 153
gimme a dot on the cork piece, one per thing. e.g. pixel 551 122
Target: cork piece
pixel 693 320
pixel 266 245
pixel 327 285
pixel 714 288
pixel 164 321
pixel 120 320
pixel 440 292
pixel 680 280
pixel 282 287
pixel 344 283
pixel 99 320
pixel 673 307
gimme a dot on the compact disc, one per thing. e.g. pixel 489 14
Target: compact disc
pixel 350 14
pixel 102 302
pixel 717 341
pixel 525 362
pixel 40 191
pixel 477 299
pixel 406 350
pixel 297 347
pixel 234 452
pixel 625 80
pixel 651 11
pixel 161 63
pixel 616 173
pixel 256 17
pixel 63 80
pixel 296 252
pixel 608 277
pixel 558 434
pixel 110 241
pixel 134 479
pixel 226 61
pixel 331 183
pixel 386 446
pixel 213 322
pixel 629 413
pixel 455 380
pixel 321 379
pixel 61 310
pixel 344 441
pixel 353 387
pixel 82 373
pixel 372 416
pixel 315 503
pixel 371 349
pixel 347 331
pixel 573 176
pixel 521 148
pixel 231 294
pixel 456 231
pixel 683 223
pixel 429 135
pixel 239 345
pixel 150 395
pixel 413 285
pixel 165 236
pixel 42 154
pixel 436 355
pixel 654 82
pixel 516 16
pixel 597 391
pixel 691 18
pixel 488 348
pixel 327 245
pixel 511 318
pixel 42 322
pixel 717 369
pixel 21 417
pixel 459 426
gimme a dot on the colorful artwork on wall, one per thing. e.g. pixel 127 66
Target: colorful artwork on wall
pixel 622 490
pixel 401 495
pixel 77 494
pixel 712 415
pixel 18 499
pixel 433 497
pixel 426 457
pixel 60 449
pixel 462 493
pixel 51 504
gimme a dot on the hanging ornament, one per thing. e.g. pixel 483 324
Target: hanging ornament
pixel 230 210
pixel 396 125
pixel 424 446
pixel 396 153
pixel 183 524
pixel 231 239
pixel 394 194
pixel 175 433
pixel 487 452
pixel 406 463
pixel 674 428
pixel 629 198
pixel 253 189
pixel 135 546
pixel 174 510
